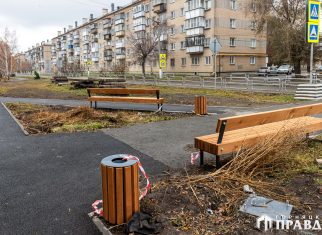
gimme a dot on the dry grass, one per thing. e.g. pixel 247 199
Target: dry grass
pixel 40 119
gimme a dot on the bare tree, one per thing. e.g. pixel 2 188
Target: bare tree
pixel 8 47
pixel 285 21
pixel 144 45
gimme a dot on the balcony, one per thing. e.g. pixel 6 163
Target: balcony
pixel 139 28
pixel 119 44
pixel 120 33
pixel 76 36
pixel 119 21
pixel 163 38
pixel 195 31
pixel 86 41
pixel 160 8
pixel 95 40
pixel 95 59
pixel 107 37
pixel 93 29
pixel 199 12
pixel 138 14
pixel 158 2
pixel 108 58
pixel 70 59
pixel 107 23
pixel 195 49
pixel 120 56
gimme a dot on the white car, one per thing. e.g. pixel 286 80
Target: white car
pixel 285 69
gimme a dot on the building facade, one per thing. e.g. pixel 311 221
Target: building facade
pixel 40 57
pixel 193 26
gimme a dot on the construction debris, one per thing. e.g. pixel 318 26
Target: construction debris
pixel 261 206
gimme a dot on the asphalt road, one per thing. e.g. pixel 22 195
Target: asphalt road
pixel 48 182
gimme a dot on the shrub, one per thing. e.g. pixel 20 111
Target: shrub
pixel 36 75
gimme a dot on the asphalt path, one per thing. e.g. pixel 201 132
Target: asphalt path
pixel 47 183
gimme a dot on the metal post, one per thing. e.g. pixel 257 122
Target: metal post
pixel 311 64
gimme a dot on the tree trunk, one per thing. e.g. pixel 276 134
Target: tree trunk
pixel 297 67
pixel 143 68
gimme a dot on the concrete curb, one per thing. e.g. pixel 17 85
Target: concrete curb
pixel 99 224
pixel 16 120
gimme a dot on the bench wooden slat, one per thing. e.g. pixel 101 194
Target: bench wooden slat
pixel 146 100
pixel 245 137
pixel 249 120
pixel 123 91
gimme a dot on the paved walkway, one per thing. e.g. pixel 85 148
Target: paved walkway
pixel 49 182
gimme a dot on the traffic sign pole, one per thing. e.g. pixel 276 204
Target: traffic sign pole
pixel 313 28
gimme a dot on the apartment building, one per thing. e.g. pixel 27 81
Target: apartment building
pixel 192 26
pixel 40 57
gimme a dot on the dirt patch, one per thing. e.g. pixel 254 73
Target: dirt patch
pixel 41 119
pixel 207 201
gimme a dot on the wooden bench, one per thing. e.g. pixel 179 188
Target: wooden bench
pixel 123 95
pixel 244 131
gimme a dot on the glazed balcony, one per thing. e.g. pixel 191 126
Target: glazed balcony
pixel 195 50
pixel 160 8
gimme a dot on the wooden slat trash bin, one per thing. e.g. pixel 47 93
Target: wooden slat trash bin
pixel 201 105
pixel 120 186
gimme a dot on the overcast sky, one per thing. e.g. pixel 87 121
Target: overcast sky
pixel 38 20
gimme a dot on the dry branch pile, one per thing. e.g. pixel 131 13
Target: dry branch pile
pixel 222 190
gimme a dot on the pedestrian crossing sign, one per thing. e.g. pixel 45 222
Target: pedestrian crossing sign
pixel 313 32
pixel 314 11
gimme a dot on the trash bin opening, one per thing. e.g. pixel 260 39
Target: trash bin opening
pixel 119 160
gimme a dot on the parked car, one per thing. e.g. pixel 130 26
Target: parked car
pixel 284 69
pixel 319 69
pixel 272 70
pixel 263 71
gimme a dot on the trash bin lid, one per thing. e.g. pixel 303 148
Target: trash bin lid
pixel 117 161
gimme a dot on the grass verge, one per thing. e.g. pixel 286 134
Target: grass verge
pixel 41 119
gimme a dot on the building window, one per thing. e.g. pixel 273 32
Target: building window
pixel 172 62
pixel 208 60
pixel 252 60
pixel 195 60
pixel 207 4
pixel 253 7
pixel 173 14
pixel 172 46
pixel 232 23
pixel 207 42
pixel 182 28
pixel 208 23
pixel 172 31
pixel 183 61
pixel 232 42
pixel 147 8
pixel 233 5
pixel 253 43
pixel 183 45
pixel 172 1
pixel 253 25
pixel 232 60
pixel 182 11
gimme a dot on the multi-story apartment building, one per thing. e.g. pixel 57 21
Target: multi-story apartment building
pixel 40 57
pixel 192 26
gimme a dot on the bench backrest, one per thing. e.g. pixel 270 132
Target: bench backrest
pixel 249 120
pixel 122 91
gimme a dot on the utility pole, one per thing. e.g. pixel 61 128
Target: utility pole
pixel 311 64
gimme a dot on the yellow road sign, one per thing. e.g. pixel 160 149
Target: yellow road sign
pixel 163 63
pixel 313 32
pixel 89 62
pixel 313 9
pixel 163 57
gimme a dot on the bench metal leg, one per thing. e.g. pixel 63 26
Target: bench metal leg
pixel 90 104
pixel 201 158
pixel 218 163
pixel 95 104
